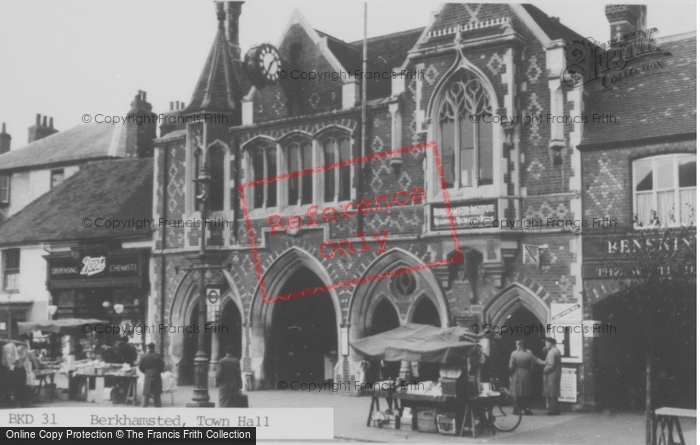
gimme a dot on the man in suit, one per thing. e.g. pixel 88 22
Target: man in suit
pixel 552 376
pixel 228 379
pixel 152 365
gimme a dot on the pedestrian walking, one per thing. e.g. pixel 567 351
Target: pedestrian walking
pixel 552 376
pixel 152 365
pixel 228 379
pixel 522 361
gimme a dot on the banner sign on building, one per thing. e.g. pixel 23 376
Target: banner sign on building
pixel 466 215
pixel 95 266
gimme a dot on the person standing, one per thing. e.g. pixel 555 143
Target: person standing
pixel 522 362
pixel 552 376
pixel 477 358
pixel 152 365
pixel 127 351
pixel 228 379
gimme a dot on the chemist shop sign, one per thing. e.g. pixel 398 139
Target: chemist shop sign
pixel 95 266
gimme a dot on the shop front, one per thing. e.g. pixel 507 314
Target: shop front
pixel 103 285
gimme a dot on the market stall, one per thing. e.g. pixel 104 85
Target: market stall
pixel 449 405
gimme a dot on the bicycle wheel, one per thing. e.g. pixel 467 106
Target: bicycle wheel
pixel 506 414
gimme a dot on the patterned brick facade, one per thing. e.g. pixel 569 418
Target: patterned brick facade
pixel 502 46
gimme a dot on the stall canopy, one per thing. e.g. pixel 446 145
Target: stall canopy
pixel 62 326
pixel 418 343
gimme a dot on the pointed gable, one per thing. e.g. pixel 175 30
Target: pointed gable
pixel 217 89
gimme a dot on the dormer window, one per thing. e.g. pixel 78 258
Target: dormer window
pixel 466 141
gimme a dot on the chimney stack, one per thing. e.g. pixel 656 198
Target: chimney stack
pixel 141 128
pixel 5 140
pixel 625 19
pixel 233 13
pixel 172 120
pixel 41 129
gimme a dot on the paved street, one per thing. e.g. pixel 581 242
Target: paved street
pixel 351 415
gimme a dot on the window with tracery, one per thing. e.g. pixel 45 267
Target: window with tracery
pixel 466 141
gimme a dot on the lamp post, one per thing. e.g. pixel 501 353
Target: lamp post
pixel 200 396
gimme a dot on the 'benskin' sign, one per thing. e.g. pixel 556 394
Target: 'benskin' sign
pixel 598 249
pixel 95 266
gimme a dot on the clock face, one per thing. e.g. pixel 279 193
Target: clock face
pixel 269 62
pixel 262 65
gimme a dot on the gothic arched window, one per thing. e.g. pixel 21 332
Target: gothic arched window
pixel 264 166
pixel 466 141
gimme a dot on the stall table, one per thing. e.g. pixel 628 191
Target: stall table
pixel 473 409
pixel 667 418
pixel 42 375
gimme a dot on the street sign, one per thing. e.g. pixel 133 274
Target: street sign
pixel 213 296
pixel 213 305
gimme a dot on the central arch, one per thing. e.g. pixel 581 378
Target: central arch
pixel 280 278
pixel 408 293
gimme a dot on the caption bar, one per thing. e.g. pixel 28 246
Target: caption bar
pixel 267 423
pixel 242 436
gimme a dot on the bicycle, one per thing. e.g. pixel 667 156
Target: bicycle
pixel 505 415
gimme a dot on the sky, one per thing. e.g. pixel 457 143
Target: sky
pixel 66 58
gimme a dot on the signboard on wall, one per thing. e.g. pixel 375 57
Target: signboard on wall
pixel 569 341
pixel 566 313
pixel 568 386
pixel 466 215
pixel 95 266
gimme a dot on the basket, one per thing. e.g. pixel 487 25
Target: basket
pixel 446 423
pixel 426 421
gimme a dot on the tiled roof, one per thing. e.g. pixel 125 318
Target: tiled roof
pixel 384 53
pixel 551 26
pixel 84 142
pixel 119 189
pixel 655 106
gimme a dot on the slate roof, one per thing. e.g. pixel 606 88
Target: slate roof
pixel 657 106
pixel 551 26
pixel 84 142
pixel 384 53
pixel 119 189
pixel 217 89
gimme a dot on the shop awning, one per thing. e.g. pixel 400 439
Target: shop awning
pixel 418 343
pixel 62 326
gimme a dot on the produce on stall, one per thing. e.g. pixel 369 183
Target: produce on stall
pixel 444 406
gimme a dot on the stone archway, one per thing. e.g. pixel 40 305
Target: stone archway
pixel 510 299
pixel 404 291
pixel 276 277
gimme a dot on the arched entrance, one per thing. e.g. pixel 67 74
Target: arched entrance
pixel 520 315
pixel 304 333
pixel 520 325
pixel 384 318
pixel 402 295
pixel 184 321
pixel 231 332
pixel 298 338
